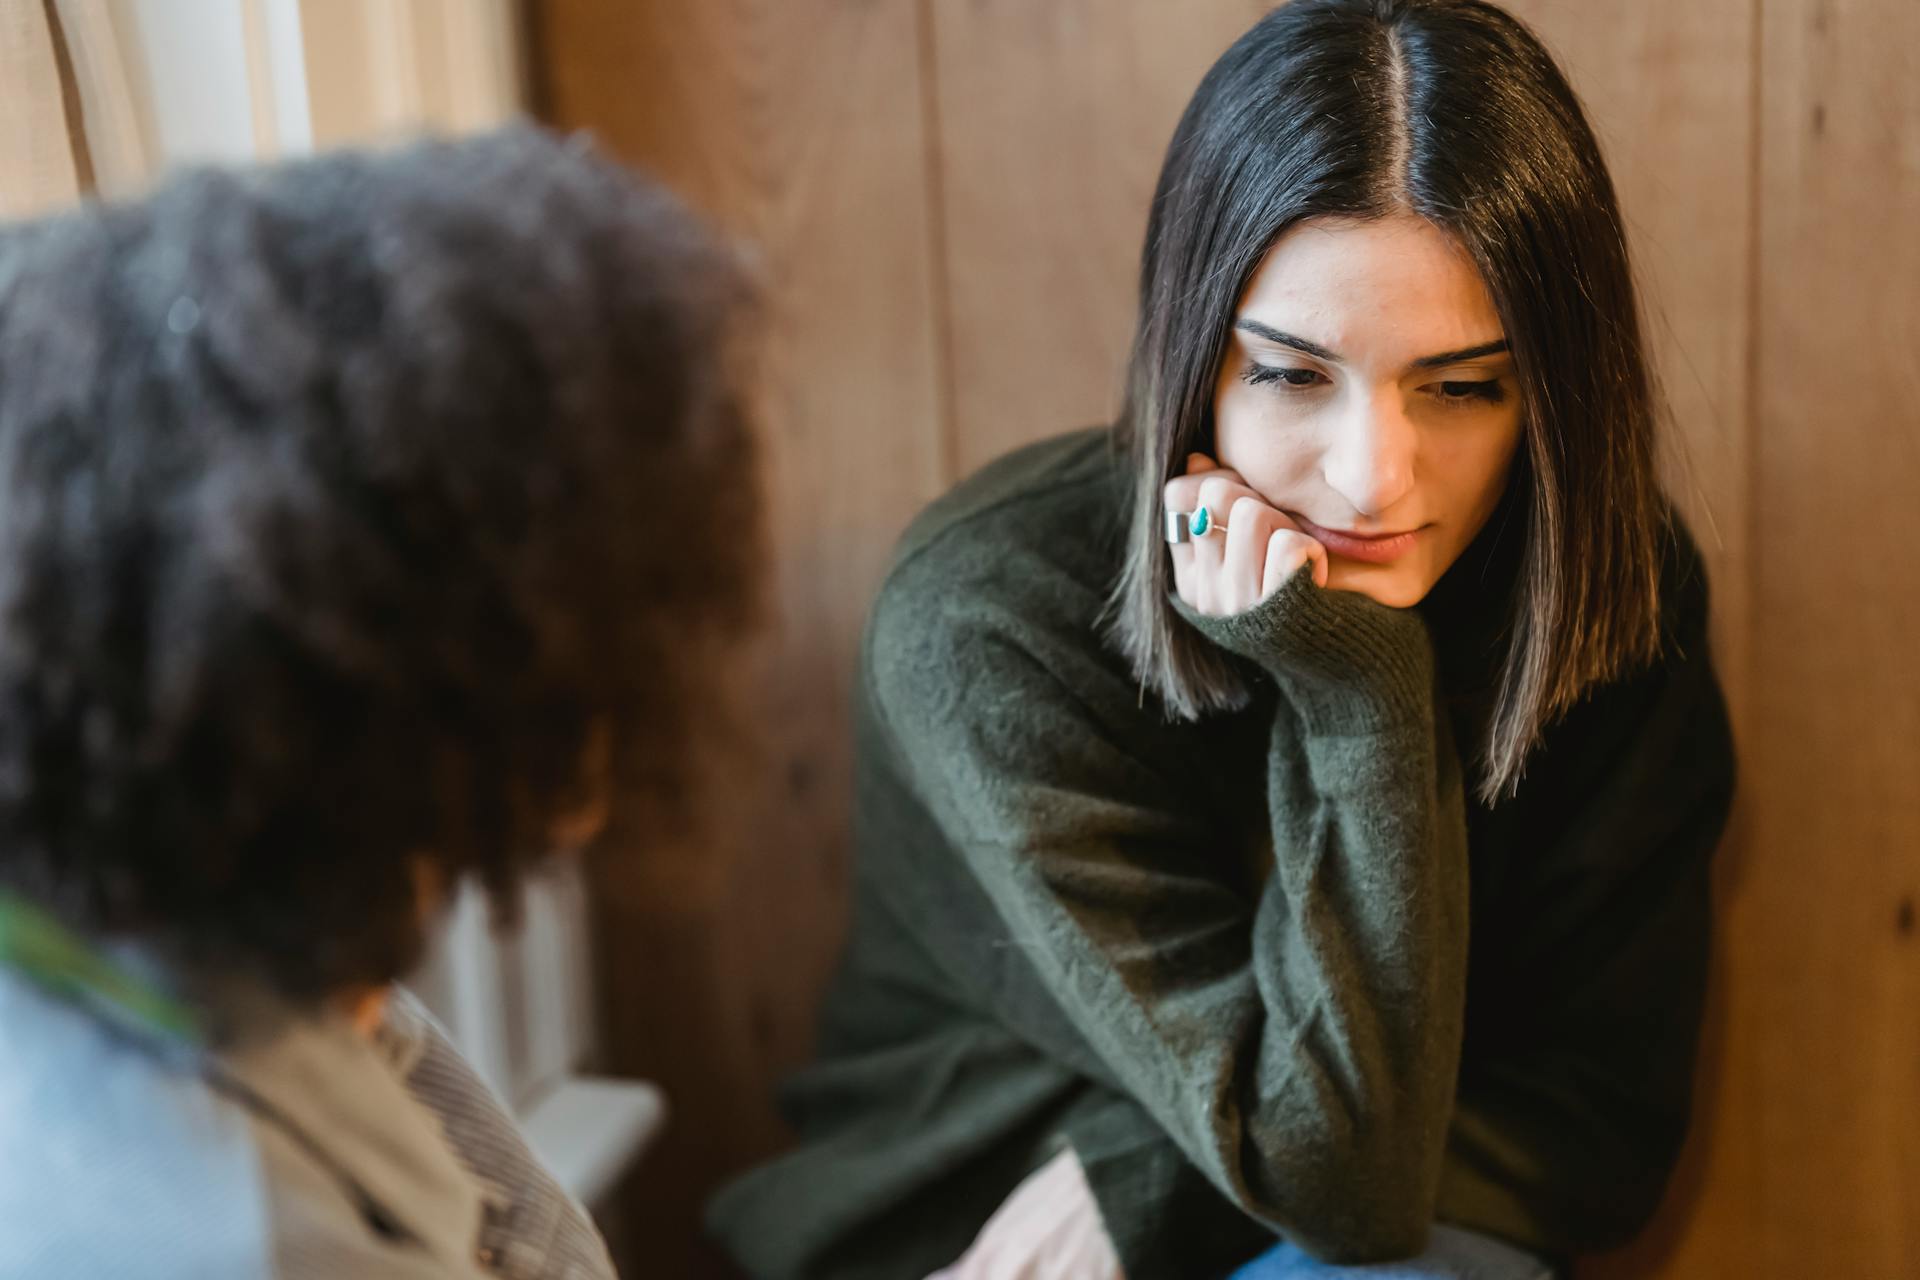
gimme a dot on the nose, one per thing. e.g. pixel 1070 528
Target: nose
pixel 1370 459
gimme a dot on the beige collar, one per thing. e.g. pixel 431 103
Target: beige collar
pixel 343 1096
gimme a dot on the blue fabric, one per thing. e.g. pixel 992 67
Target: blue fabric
pixel 303 1150
pixel 1452 1253
pixel 117 1163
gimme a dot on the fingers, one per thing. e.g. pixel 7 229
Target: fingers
pixel 1220 496
pixel 1182 493
pixel 1251 524
pixel 1184 584
pixel 1286 551
pixel 1195 562
pixel 1256 547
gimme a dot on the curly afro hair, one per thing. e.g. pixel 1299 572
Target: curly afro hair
pixel 341 504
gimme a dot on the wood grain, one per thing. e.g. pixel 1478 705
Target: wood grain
pixel 1804 1162
pixel 798 124
pixel 1824 939
pixel 1053 119
pixel 385 70
pixel 37 167
pixel 116 103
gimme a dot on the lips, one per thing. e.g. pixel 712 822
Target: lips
pixel 1380 548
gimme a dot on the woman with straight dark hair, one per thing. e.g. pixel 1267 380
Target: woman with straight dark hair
pixel 1189 749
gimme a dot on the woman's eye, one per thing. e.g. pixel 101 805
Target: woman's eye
pixel 1261 374
pixel 1449 393
pixel 1472 392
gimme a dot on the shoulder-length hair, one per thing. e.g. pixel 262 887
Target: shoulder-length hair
pixel 1451 110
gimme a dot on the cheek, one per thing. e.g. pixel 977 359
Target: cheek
pixel 1470 470
pixel 1254 437
pixel 1492 466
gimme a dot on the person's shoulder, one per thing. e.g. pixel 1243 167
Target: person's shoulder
pixel 143 1145
pixel 1034 534
pixel 1001 583
pixel 1055 497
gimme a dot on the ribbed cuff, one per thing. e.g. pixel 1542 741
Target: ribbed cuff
pixel 1349 663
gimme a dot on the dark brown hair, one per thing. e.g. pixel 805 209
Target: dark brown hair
pixel 1452 110
pixel 339 503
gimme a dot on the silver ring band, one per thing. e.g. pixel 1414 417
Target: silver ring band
pixel 1178 527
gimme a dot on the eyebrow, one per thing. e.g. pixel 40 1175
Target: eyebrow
pixel 1319 352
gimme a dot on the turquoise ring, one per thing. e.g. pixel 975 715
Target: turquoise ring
pixel 1182 525
pixel 1204 522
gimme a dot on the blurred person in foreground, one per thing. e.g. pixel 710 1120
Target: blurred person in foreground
pixel 337 564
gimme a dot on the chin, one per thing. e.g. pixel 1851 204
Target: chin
pixel 1399 587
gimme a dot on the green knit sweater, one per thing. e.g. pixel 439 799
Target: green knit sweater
pixel 1229 961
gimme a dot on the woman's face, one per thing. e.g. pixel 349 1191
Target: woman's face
pixel 1366 391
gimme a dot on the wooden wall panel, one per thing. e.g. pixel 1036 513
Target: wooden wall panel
pixel 1803 1162
pixel 1824 934
pixel 1053 118
pixel 38 170
pixel 797 123
pixel 382 70
pixel 115 102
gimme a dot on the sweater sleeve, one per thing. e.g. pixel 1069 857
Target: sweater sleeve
pixel 1574 1098
pixel 1300 1048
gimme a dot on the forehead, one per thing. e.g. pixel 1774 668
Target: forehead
pixel 1396 286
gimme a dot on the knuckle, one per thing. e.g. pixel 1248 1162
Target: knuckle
pixel 1248 508
pixel 1286 542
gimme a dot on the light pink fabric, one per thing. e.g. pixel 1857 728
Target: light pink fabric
pixel 1048 1229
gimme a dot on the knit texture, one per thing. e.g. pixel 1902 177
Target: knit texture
pixel 1348 664
pixel 1229 961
